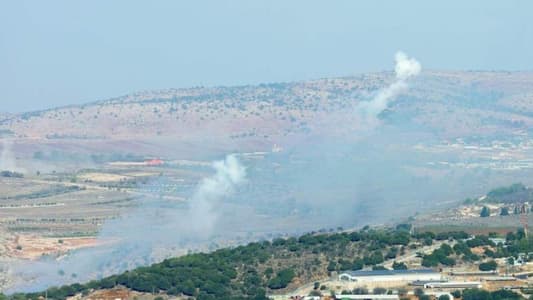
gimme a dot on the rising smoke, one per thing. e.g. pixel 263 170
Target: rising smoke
pixel 318 184
pixel 202 216
pixel 159 228
pixel 309 187
pixel 154 230
pixel 404 69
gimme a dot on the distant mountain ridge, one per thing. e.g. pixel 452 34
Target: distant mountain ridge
pixel 474 102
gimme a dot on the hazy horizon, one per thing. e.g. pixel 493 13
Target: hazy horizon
pixel 104 98
pixel 263 147
pixel 61 53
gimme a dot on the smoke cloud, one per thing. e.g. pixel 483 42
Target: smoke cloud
pixel 229 174
pixel 153 231
pixel 404 69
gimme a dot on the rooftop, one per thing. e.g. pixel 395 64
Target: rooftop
pixel 389 272
pixel 372 296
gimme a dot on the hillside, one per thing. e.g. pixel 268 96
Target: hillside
pixel 313 161
pixel 251 270
pixel 475 103
pixel 274 267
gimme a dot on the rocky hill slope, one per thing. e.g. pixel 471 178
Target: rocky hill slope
pixel 451 104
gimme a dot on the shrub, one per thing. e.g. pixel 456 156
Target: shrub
pixel 488 266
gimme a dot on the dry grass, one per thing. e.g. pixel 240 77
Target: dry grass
pixel 33 246
pixel 102 177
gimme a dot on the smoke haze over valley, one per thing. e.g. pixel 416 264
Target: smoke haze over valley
pixel 278 120
pixel 322 154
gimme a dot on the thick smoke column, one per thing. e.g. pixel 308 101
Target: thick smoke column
pixel 405 68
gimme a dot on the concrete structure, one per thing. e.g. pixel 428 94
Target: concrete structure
pixel 368 297
pixel 390 275
pixel 454 285
pixel 421 283
pixel 499 278
pixel 474 273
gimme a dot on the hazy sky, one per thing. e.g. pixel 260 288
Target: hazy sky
pixel 55 53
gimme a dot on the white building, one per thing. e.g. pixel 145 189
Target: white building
pixel 390 275
pixel 368 297
pixel 454 285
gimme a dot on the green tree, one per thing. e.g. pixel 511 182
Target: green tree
pixel 268 272
pixel 402 291
pixel 399 266
pixel 360 291
pixel 516 210
pixel 419 292
pixel 485 212
pixel 282 279
pixel 504 211
pixel 488 266
pixel 332 266
pixel 456 294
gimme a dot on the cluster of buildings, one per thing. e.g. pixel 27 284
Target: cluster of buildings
pixel 417 278
pixel 434 281
pixel 390 276
pixel 426 278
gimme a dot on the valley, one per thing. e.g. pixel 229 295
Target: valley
pixel 96 178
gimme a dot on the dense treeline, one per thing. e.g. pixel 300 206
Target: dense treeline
pixel 512 194
pixel 48 192
pixel 11 174
pixel 515 245
pixel 478 294
pixel 251 271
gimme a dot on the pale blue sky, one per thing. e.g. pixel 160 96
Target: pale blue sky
pixel 55 53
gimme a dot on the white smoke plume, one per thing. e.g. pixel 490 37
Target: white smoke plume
pixel 151 232
pixel 229 174
pixel 405 68
pixel 195 223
